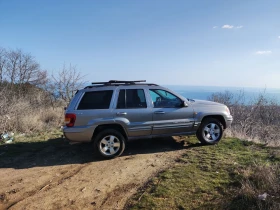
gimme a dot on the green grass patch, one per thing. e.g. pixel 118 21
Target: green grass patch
pixel 30 143
pixel 210 177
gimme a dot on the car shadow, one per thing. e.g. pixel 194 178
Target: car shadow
pixel 58 151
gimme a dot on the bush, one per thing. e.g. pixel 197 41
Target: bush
pixel 28 108
pixel 256 119
pixel 29 99
pixel 260 188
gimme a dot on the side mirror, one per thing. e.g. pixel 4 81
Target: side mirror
pixel 185 104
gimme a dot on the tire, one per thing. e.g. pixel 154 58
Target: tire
pixel 210 131
pixel 109 143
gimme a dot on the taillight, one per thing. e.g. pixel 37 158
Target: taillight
pixel 70 120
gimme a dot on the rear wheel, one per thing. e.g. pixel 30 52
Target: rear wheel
pixel 110 143
pixel 210 131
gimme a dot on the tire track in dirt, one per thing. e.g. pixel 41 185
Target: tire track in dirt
pixel 46 185
pixel 92 184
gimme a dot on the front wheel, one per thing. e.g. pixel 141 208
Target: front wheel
pixel 110 143
pixel 210 131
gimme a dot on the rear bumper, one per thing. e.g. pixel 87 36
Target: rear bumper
pixel 78 134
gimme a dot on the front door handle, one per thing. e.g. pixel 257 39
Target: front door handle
pixel 121 113
pixel 159 112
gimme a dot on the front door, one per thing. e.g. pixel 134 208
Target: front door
pixel 169 116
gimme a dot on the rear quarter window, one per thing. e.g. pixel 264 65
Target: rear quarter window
pixel 96 100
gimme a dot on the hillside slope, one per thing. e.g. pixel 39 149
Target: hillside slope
pixel 234 174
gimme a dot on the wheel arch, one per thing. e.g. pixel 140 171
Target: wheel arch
pixel 218 117
pixel 102 127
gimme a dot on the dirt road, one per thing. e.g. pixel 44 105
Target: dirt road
pixel 56 175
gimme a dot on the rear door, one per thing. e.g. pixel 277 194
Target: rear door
pixel 132 112
pixel 169 114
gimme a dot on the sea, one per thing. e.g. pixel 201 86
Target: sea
pixel 204 92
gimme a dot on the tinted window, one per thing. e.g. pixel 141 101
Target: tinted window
pixel 164 99
pixel 131 98
pixel 96 100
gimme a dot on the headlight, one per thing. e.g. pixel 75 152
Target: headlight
pixel 227 110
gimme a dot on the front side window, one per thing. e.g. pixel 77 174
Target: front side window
pixel 164 99
pixel 131 98
pixel 96 100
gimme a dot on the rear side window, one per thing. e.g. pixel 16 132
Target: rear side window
pixel 131 98
pixel 96 100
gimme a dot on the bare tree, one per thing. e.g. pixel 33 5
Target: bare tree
pixel 12 64
pixel 29 70
pixel 224 98
pixel 66 82
pixel 23 68
pixel 26 105
pixel 2 63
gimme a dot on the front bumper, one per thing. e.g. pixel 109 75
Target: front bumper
pixel 228 121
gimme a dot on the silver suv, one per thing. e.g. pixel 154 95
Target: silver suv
pixel 111 113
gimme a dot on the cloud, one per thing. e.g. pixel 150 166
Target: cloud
pixel 231 27
pixel 278 37
pixel 215 27
pixel 264 52
pixel 227 26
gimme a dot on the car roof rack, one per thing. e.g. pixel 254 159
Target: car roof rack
pixel 117 83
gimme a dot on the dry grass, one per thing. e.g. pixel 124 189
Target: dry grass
pixel 260 188
pixel 28 111
pixel 41 120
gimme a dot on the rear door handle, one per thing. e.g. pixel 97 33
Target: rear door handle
pixel 159 112
pixel 121 113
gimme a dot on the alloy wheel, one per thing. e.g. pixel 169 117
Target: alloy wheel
pixel 109 145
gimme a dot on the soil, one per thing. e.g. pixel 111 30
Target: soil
pixel 56 175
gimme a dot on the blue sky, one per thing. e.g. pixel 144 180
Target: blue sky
pixel 182 42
